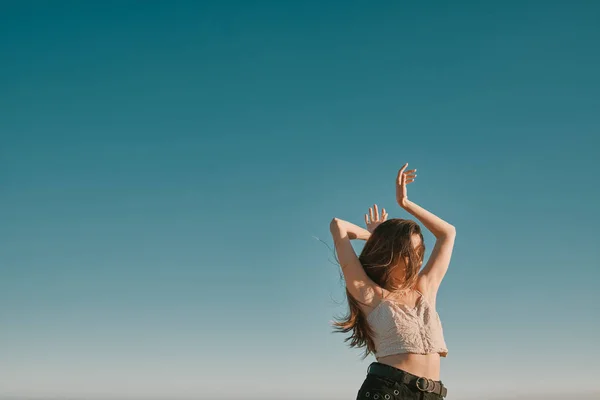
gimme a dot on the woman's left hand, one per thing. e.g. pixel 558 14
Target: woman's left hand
pixel 403 179
pixel 373 219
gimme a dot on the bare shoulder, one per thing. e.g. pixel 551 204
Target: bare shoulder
pixel 369 297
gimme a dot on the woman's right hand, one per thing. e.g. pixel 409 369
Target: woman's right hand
pixel 373 219
pixel 403 179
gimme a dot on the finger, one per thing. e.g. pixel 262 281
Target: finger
pixel 410 171
pixel 367 219
pixel 376 212
pixel 401 172
pixel 408 182
pixel 371 214
pixel 384 214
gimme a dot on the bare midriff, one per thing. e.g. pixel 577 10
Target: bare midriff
pixel 424 365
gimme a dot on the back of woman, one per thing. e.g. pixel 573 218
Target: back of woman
pixel 392 299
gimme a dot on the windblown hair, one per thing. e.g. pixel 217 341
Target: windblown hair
pixel 389 248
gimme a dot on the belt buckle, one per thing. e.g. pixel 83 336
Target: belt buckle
pixel 430 385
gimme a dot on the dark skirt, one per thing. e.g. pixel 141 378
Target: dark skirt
pixel 376 387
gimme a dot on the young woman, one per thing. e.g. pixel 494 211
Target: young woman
pixel 393 301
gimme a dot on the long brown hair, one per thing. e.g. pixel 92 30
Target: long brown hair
pixel 388 248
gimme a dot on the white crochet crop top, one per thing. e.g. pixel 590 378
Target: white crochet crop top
pixel 399 328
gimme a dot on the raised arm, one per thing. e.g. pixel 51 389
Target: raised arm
pixel 358 282
pixel 432 274
pixel 353 231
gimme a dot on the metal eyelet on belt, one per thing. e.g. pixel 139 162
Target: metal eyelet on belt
pixel 367 394
pixel 396 392
pixel 387 397
pixel 376 396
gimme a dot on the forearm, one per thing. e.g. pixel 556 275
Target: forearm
pixel 433 223
pixel 353 231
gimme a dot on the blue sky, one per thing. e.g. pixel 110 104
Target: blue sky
pixel 164 167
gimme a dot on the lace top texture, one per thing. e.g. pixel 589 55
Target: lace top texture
pixel 400 328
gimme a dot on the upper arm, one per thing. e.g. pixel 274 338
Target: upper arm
pixel 432 274
pixel 360 286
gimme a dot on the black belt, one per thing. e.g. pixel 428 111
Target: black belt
pixel 422 384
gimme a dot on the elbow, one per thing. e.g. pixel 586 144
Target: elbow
pixel 451 231
pixel 334 224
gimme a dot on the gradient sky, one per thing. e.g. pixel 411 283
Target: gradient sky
pixel 164 166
